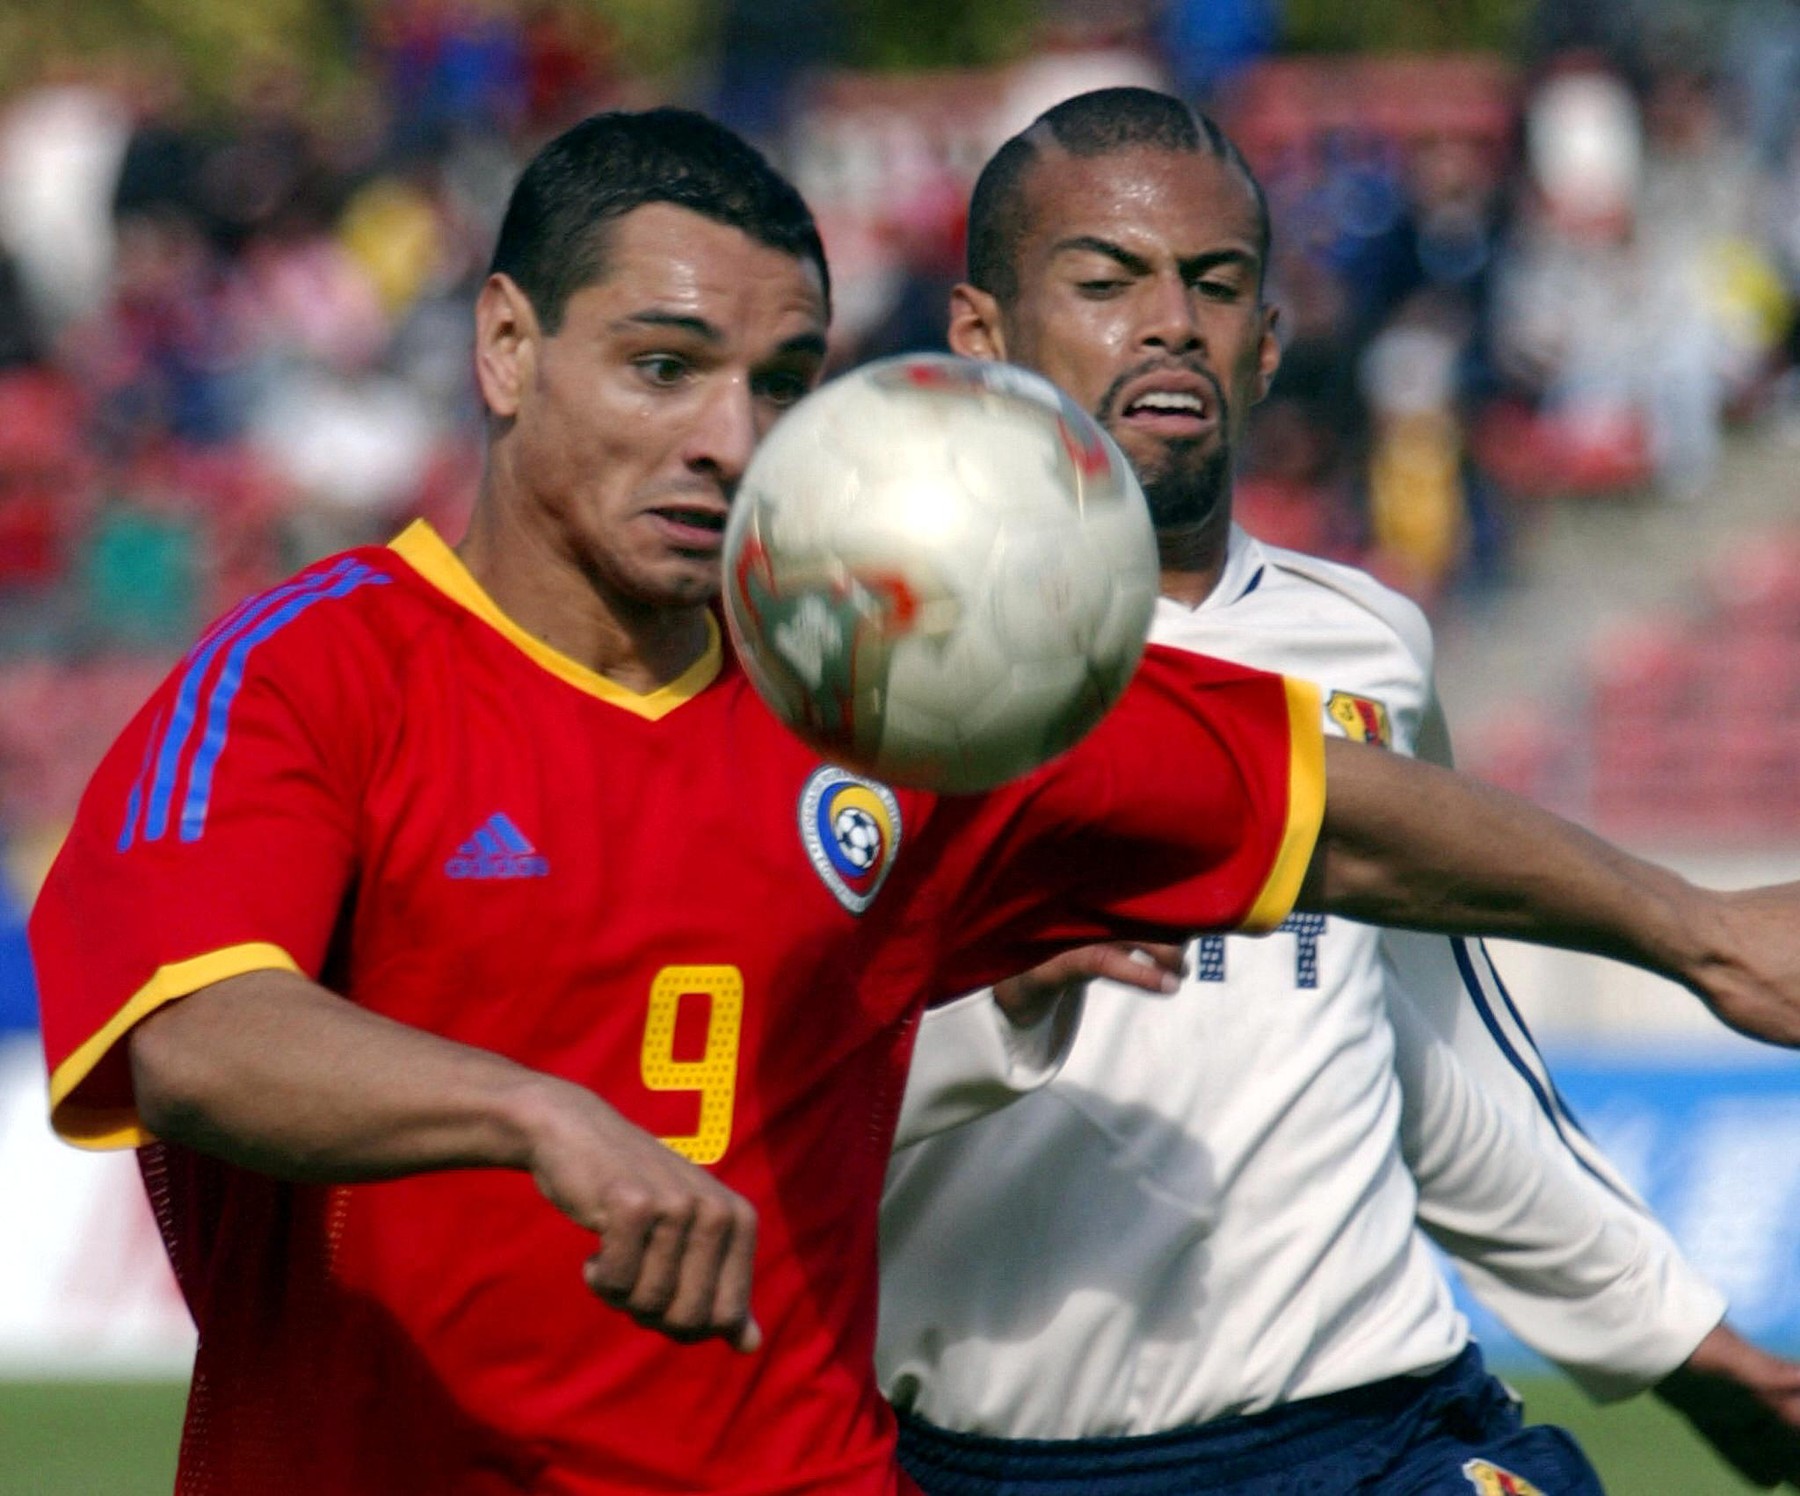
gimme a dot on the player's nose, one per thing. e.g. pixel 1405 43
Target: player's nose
pixel 1168 319
pixel 725 433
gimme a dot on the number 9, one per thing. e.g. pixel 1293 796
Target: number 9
pixel 714 1074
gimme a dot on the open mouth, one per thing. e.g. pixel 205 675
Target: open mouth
pixel 1171 403
pixel 1174 404
pixel 692 528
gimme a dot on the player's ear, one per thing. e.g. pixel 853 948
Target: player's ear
pixel 1268 352
pixel 506 338
pixel 975 330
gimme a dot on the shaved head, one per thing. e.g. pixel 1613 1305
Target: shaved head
pixel 1101 123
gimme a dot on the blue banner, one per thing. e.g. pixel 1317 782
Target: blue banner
pixel 1715 1150
pixel 18 993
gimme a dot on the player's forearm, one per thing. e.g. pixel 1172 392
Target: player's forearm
pixel 274 1073
pixel 1412 845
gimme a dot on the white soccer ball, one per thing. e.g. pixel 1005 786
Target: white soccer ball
pixel 939 572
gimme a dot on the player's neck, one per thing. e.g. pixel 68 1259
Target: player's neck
pixel 637 645
pixel 1193 558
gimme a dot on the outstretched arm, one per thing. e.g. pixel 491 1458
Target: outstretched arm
pixel 273 1072
pixel 1412 845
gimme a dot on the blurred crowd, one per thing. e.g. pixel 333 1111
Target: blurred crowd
pixel 234 334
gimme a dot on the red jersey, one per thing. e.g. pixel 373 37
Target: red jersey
pixel 374 777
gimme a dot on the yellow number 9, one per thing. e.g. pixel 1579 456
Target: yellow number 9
pixel 714 1074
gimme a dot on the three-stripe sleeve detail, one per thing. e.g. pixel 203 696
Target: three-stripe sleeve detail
pixel 1536 1077
pixel 203 699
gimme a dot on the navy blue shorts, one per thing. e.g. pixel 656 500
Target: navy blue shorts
pixel 1458 1432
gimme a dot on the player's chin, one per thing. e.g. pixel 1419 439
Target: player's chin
pixel 683 579
pixel 1154 453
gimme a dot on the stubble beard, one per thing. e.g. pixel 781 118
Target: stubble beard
pixel 1187 486
pixel 1187 489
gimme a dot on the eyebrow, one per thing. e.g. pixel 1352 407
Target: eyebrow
pixel 806 342
pixel 1135 264
pixel 680 322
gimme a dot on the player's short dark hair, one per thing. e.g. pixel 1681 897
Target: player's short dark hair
pixel 1090 124
pixel 553 238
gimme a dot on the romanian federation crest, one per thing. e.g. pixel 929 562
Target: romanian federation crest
pixel 850 828
pixel 1363 719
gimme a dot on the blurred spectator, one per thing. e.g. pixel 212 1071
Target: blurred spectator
pixel 1693 211
pixel 44 501
pixel 163 358
pixel 1636 208
pixel 1294 489
pixel 450 67
pixel 1206 44
pixel 60 148
pixel 569 66
pixel 925 237
pixel 159 173
pixel 259 173
pixel 353 442
pixel 20 340
pixel 140 573
pixel 1763 54
pixel 1418 498
pixel 1608 31
pixel 1078 48
pixel 765 49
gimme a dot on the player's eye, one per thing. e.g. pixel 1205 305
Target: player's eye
pixel 783 388
pixel 663 370
pixel 1099 290
pixel 1216 289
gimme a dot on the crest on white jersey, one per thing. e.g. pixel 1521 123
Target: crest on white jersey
pixel 1363 719
pixel 1495 1480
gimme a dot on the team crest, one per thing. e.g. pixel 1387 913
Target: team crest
pixel 851 830
pixel 1363 720
pixel 1490 1479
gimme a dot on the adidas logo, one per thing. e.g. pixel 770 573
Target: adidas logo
pixel 498 849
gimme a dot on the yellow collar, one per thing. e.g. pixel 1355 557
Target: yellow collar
pixel 423 549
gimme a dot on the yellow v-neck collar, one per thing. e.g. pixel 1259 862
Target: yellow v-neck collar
pixel 423 549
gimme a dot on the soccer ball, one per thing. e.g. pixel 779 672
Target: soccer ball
pixel 939 572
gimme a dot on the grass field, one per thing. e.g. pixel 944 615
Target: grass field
pixel 88 1439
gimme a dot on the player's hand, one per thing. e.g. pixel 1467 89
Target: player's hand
pixel 1750 976
pixel 1027 998
pixel 676 1246
pixel 1744 1402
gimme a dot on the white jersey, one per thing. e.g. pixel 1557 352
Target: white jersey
pixel 1211 1208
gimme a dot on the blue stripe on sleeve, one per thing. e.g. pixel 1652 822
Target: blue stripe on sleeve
pixel 1551 1109
pixel 223 626
pixel 187 695
pixel 1556 1097
pixel 134 803
pixel 231 678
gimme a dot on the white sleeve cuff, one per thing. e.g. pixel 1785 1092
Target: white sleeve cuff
pixel 1617 1341
pixel 971 1059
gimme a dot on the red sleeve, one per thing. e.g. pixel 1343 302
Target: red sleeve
pixel 1194 806
pixel 216 838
